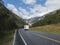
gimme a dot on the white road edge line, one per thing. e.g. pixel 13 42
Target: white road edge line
pixel 23 39
pixel 14 37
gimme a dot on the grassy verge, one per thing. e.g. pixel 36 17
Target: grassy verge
pixel 6 38
pixel 54 28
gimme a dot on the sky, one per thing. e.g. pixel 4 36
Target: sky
pixel 31 8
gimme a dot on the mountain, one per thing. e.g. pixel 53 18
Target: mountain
pixel 33 20
pixel 9 20
pixel 50 18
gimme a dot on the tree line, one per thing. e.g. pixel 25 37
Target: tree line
pixel 51 18
pixel 8 20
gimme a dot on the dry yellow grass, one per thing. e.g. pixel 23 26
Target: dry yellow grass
pixel 54 28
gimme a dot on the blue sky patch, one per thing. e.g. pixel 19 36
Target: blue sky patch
pixel 31 8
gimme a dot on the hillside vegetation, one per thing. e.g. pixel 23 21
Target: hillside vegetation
pixel 8 20
pixel 53 28
pixel 8 23
pixel 51 18
pixel 50 23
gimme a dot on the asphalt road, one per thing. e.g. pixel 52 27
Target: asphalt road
pixel 24 37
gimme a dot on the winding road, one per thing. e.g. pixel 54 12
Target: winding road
pixel 29 37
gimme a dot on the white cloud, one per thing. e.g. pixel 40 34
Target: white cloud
pixel 13 9
pixel 37 10
pixel 24 13
pixel 29 1
pixel 52 4
pixel 10 6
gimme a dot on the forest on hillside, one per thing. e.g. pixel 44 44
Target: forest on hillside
pixel 50 18
pixel 9 20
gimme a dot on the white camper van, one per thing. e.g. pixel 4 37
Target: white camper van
pixel 26 27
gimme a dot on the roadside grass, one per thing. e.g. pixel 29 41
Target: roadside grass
pixel 53 28
pixel 6 38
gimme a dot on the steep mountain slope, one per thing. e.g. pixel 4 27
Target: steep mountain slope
pixel 50 18
pixel 8 20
